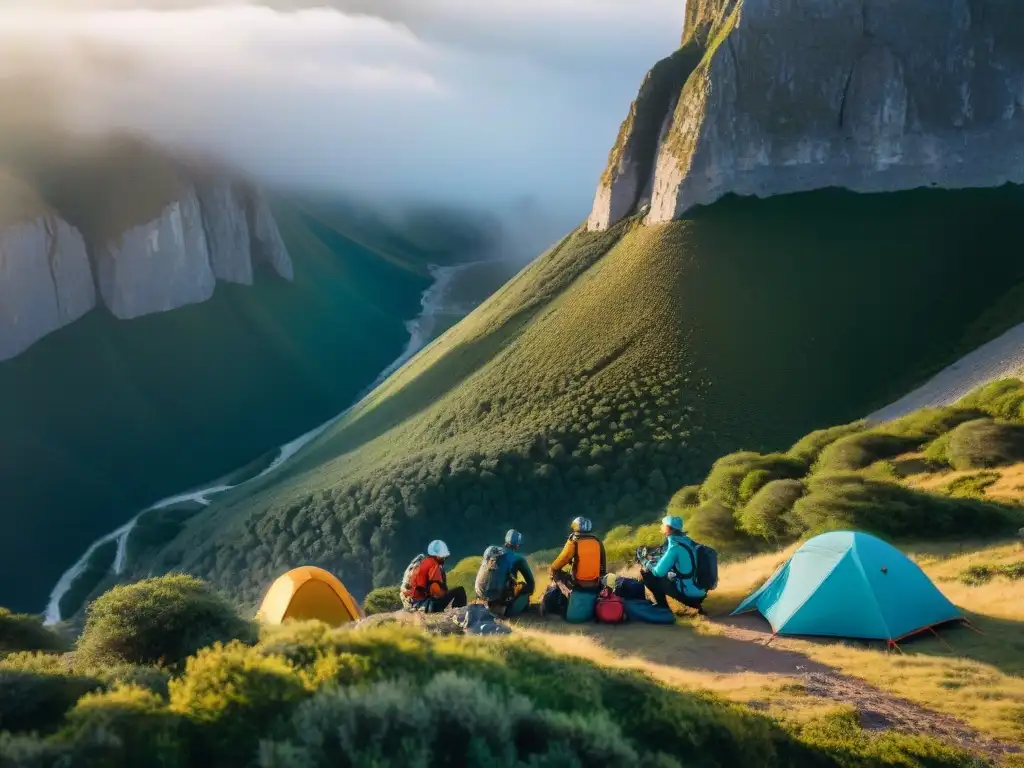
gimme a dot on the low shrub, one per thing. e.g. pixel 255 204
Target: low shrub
pixel 451 720
pixel 715 524
pixel 929 423
pixel 620 550
pixel 127 725
pixel 36 690
pixel 852 501
pixel 383 600
pixel 809 447
pixel 233 693
pixel 862 449
pixel 979 575
pixel 21 632
pixel 1001 399
pixel 158 621
pixel 727 475
pixel 984 443
pixel 767 514
pixel 971 486
pixel 840 732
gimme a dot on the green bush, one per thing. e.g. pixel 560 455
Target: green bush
pixel 810 446
pixel 979 574
pixel 767 514
pixel 984 443
pixel 383 600
pixel 233 693
pixel 752 483
pixel 687 496
pixel 714 524
pixel 449 721
pixel 153 679
pixel 728 473
pixel 36 690
pixel 1000 399
pixel 929 423
pixel 972 486
pixel 620 550
pixel 127 725
pixel 21 751
pixel 158 621
pixel 852 501
pixel 21 632
pixel 840 732
pixel 862 449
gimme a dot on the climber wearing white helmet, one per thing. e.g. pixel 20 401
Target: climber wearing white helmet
pixel 426 584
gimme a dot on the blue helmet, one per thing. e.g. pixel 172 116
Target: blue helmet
pixel 582 525
pixel 513 538
pixel 673 521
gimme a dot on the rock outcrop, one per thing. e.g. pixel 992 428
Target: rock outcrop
pixel 51 274
pixel 157 266
pixel 768 97
pixel 227 230
pixel 45 281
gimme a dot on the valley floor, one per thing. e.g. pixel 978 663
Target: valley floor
pixel 962 686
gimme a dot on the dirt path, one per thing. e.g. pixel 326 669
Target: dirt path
pixel 878 709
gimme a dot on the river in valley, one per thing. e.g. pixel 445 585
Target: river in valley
pixel 455 291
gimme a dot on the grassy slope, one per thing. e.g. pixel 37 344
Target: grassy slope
pixel 612 370
pixel 304 694
pixel 107 416
pixel 978 678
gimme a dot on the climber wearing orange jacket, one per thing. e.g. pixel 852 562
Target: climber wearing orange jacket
pixel 584 552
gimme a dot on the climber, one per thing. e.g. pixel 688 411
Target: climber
pixel 585 553
pixel 673 574
pixel 497 581
pixel 427 588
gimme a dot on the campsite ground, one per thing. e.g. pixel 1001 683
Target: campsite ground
pixel 960 686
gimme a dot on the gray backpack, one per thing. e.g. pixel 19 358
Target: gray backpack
pixel 492 578
pixel 410 571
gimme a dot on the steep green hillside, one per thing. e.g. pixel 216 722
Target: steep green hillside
pixel 105 416
pixel 615 368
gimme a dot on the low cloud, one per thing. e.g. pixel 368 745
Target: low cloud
pixel 452 101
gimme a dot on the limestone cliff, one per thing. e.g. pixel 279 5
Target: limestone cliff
pixel 135 252
pixel 768 97
pixel 44 270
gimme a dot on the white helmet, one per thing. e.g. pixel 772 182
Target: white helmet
pixel 438 548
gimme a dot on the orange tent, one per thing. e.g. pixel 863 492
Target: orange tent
pixel 309 592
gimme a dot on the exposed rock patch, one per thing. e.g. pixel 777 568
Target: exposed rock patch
pixel 52 272
pixel 769 97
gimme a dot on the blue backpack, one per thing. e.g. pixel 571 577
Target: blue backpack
pixel 493 577
pixel 641 610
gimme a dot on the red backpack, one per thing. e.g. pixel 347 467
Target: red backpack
pixel 610 608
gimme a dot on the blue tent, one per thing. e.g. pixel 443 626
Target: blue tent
pixel 847 584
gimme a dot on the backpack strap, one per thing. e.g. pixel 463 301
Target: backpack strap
pixel 693 561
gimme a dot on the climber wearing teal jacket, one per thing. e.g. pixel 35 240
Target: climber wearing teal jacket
pixel 672 575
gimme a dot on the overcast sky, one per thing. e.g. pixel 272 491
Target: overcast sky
pixel 482 101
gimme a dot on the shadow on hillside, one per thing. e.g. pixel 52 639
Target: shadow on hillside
pixel 993 640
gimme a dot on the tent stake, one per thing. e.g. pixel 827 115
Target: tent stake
pixel 769 640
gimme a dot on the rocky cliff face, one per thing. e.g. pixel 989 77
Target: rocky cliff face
pixel 51 274
pixel 768 97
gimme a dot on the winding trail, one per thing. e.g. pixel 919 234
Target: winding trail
pixel 421 331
